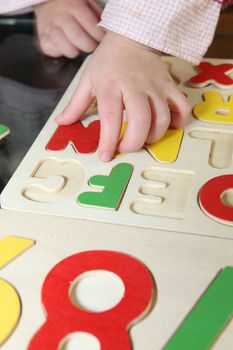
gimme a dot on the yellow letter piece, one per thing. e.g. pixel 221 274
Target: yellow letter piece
pixel 10 309
pixel 10 306
pixel 214 108
pixel 11 247
pixel 167 149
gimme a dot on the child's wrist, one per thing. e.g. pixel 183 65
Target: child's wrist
pixel 122 40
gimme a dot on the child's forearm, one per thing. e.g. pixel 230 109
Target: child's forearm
pixel 181 28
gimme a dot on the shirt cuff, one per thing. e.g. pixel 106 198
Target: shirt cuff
pixel 181 28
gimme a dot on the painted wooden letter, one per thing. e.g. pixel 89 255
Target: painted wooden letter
pixel 215 198
pixel 83 139
pixel 214 108
pixel 213 74
pixel 4 131
pixel 114 186
pixel 208 318
pixel 10 305
pixel 109 327
pixel 167 149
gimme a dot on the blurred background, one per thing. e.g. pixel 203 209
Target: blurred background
pixel 31 85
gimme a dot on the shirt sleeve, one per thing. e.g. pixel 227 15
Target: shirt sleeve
pixel 18 6
pixel 181 28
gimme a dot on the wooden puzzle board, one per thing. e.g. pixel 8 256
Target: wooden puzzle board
pixel 198 161
pixel 183 266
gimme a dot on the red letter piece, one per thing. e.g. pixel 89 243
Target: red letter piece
pixel 210 198
pixel 83 139
pixel 109 327
pixel 210 73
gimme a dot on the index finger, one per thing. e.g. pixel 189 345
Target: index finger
pixel 110 109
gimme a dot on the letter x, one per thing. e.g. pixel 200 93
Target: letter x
pixel 213 74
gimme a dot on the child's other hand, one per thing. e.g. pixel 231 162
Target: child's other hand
pixel 66 27
pixel 123 74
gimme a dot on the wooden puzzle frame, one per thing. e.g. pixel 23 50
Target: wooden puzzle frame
pixel 183 267
pixel 147 191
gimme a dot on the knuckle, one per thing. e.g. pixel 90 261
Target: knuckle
pixel 187 109
pixel 132 145
pixel 55 32
pixel 45 45
pixel 133 148
pixel 107 115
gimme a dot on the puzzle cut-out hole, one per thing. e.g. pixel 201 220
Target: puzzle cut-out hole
pixel 221 150
pixel 97 291
pixel 54 180
pixel 80 341
pixel 151 189
pixel 222 111
pixel 166 196
pixel 227 198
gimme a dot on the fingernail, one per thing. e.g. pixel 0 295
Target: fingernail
pixel 105 157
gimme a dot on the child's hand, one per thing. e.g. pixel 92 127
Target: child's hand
pixel 123 74
pixel 66 27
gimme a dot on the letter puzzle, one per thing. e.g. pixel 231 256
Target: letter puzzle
pixel 150 263
pixel 56 174
pixel 174 301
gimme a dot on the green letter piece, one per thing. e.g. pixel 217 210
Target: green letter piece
pixel 209 316
pixel 4 131
pixel 113 186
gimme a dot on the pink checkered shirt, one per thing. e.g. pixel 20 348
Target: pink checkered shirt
pixel 181 28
